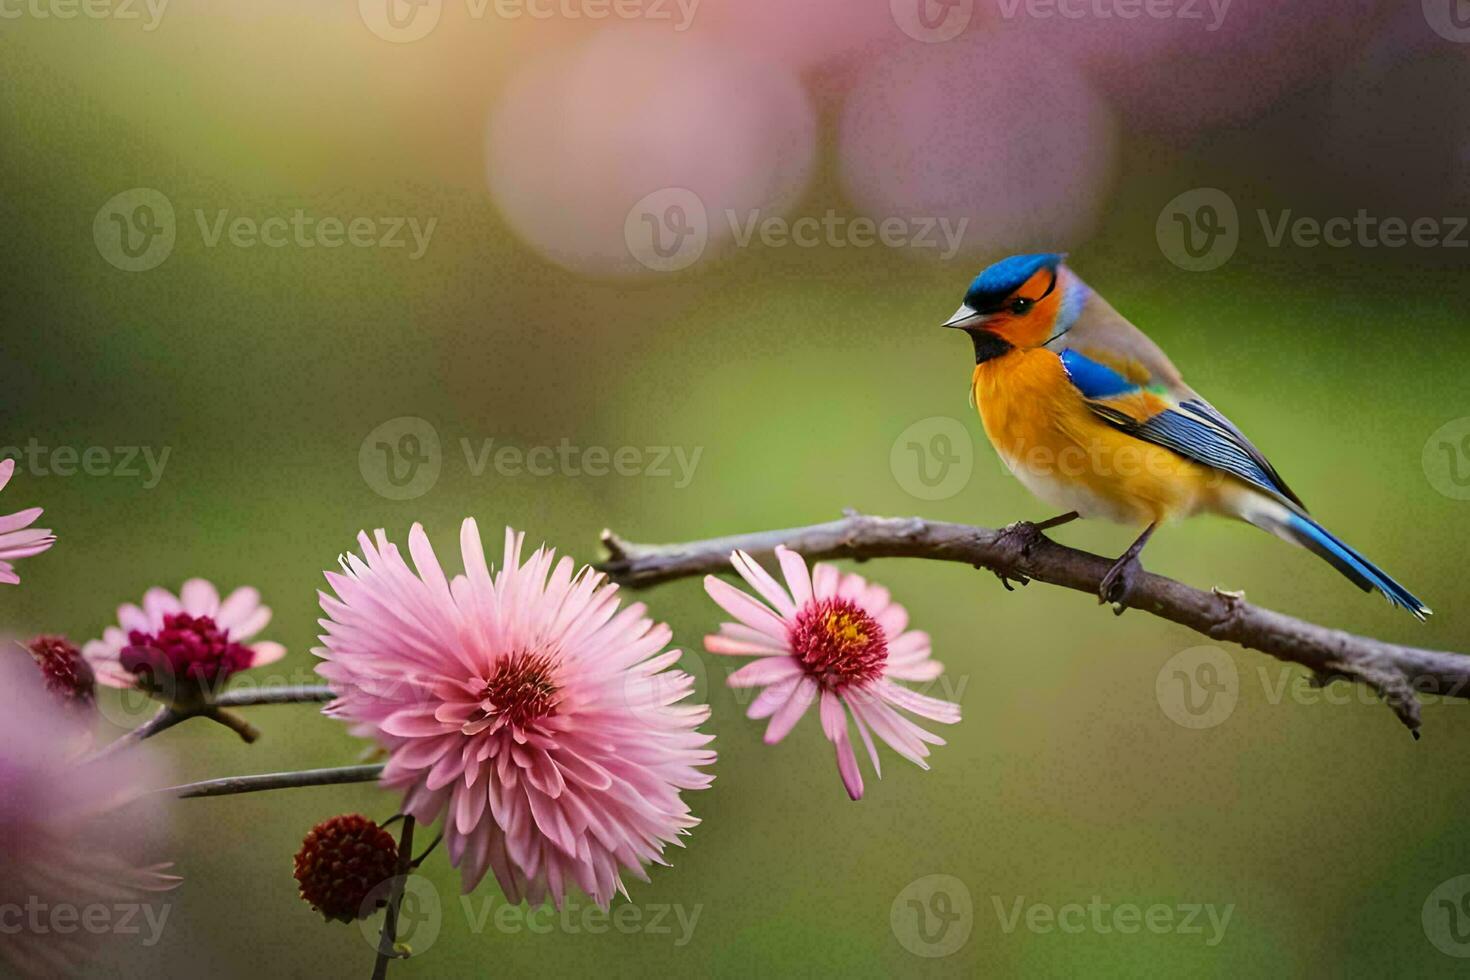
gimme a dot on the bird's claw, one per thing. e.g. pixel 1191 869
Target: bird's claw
pixel 1117 585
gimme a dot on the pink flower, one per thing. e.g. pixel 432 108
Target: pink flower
pixel 542 722
pixel 192 637
pixel 836 639
pixel 17 538
pixel 74 835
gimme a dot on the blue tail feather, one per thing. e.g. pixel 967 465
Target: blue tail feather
pixel 1323 543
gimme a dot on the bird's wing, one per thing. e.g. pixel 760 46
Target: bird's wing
pixel 1191 427
pixel 1168 412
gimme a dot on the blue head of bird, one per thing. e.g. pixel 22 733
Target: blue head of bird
pixel 1019 302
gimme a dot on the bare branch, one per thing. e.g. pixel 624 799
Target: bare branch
pixel 1021 552
pixel 231 785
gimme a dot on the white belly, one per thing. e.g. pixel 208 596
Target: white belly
pixel 1068 495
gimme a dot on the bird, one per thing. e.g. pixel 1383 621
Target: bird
pixel 1094 419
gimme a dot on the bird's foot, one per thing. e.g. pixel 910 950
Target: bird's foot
pixel 1117 585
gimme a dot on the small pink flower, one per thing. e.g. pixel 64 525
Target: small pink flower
pixel 835 639
pixel 73 833
pixel 541 721
pixel 17 538
pixel 192 638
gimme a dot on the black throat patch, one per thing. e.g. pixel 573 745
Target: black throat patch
pixel 988 346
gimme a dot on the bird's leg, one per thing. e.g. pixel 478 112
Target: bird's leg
pixel 1058 521
pixel 1118 582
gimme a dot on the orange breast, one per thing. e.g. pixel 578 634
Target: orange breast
pixel 1068 456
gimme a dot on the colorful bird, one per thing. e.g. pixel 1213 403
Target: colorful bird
pixel 1093 418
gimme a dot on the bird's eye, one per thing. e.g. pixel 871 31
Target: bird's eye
pixel 1020 305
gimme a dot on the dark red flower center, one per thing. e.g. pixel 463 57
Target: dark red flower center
pixel 523 688
pixel 68 677
pixel 342 864
pixel 838 643
pixel 188 647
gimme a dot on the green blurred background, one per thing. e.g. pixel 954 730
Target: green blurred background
pixel 793 372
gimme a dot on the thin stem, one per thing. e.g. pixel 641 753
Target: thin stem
pixel 428 850
pixel 299 694
pixel 164 719
pixel 168 715
pixel 388 938
pixel 231 785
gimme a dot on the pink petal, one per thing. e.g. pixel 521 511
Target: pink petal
pixel 790 713
pixel 762 582
pixel 769 670
pixel 744 608
pixel 798 579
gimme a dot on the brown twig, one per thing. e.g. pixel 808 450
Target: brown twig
pixel 1021 552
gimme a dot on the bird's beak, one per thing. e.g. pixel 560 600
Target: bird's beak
pixel 962 316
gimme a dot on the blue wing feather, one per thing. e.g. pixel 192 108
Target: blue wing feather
pixel 1194 430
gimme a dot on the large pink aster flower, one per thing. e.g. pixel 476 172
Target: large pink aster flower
pixel 17 538
pixel 542 722
pixel 179 643
pixel 74 836
pixel 835 639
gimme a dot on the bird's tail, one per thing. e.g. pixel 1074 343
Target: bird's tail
pixel 1299 529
